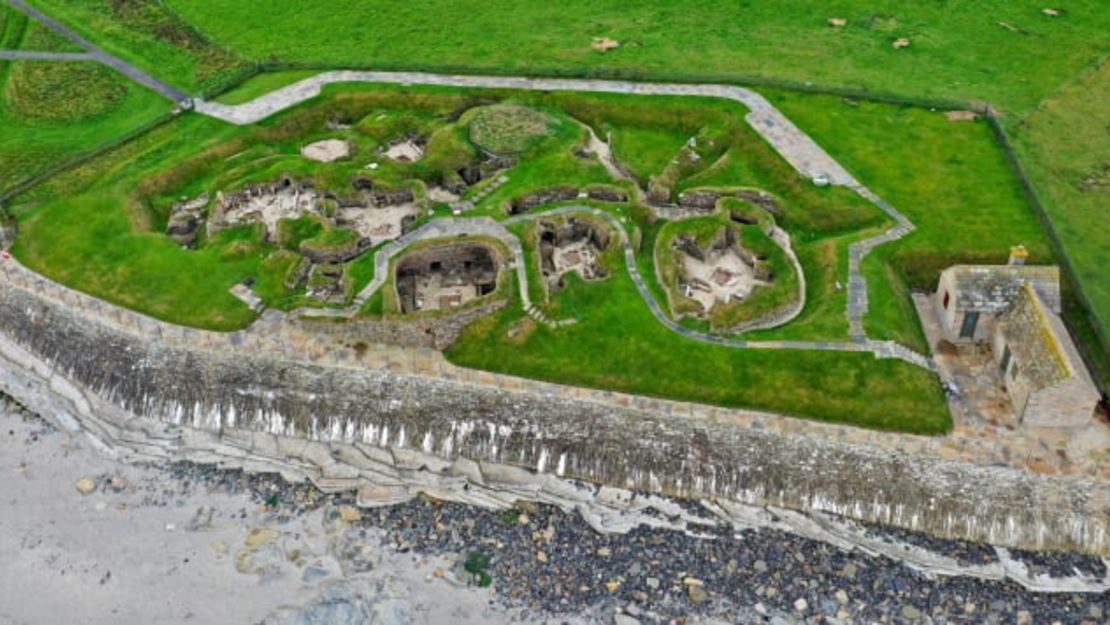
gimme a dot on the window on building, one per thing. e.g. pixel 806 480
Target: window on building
pixel 967 330
pixel 1004 364
pixel 946 299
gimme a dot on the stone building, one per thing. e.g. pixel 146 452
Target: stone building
pixel 1015 310
pixel 446 276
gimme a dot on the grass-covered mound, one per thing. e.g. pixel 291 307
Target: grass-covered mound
pixel 509 128
pixel 153 36
pixel 53 112
pixel 64 92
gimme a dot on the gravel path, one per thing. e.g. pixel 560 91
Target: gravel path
pixel 36 55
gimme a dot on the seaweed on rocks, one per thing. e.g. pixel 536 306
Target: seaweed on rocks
pixel 1060 564
pixel 963 552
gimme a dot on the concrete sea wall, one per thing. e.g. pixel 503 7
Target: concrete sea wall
pixel 323 421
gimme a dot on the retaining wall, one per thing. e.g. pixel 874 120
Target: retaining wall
pixel 98 373
pixel 428 330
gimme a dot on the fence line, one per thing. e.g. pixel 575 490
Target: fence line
pixel 1068 270
pixel 6 195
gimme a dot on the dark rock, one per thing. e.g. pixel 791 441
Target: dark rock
pixel 549 195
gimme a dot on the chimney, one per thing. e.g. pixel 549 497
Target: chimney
pixel 1018 255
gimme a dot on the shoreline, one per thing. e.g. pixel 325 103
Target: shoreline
pixel 347 425
pixel 546 564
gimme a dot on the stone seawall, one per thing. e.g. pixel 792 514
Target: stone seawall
pixel 434 331
pixel 101 375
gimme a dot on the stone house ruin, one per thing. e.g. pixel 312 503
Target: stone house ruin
pixel 1014 309
pixel 488 166
pixel 573 245
pixel 186 219
pixel 377 215
pixel 446 276
pixel 328 283
pixel 550 195
pixel 722 273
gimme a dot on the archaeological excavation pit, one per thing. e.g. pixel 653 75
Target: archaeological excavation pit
pixel 573 245
pixel 377 215
pixel 405 151
pixel 266 203
pixel 721 273
pixel 446 276
pixel 327 150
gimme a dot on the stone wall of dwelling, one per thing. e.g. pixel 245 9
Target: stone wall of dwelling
pixel 419 330
pixel 952 320
pixel 1065 404
pixel 947 315
pixel 99 369
pixel 1016 386
pixel 449 254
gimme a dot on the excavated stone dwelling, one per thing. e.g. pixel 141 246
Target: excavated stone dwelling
pixel 446 276
pixel 571 245
pixel 376 214
pixel 722 273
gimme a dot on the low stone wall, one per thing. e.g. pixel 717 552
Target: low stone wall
pixel 99 371
pixel 429 330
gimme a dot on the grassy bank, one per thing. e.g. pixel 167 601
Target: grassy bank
pixel 617 344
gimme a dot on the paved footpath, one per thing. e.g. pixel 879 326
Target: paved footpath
pixel 36 55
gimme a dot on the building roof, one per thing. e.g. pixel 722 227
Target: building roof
pixel 1036 345
pixel 992 288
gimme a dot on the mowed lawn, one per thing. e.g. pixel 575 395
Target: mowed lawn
pixel 949 177
pixel 967 49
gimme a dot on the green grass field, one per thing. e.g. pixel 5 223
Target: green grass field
pixel 954 53
pixel 51 112
pixel 152 36
pixel 1073 178
pixel 97 227
pixel 1010 54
